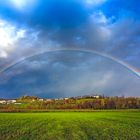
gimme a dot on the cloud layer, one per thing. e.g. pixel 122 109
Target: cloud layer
pixel 111 27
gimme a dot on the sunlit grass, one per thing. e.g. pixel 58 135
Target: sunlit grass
pixel 110 125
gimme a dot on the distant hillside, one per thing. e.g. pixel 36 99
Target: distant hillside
pixel 82 102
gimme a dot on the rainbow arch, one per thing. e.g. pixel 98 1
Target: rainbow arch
pixel 124 64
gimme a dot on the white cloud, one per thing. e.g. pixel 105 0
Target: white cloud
pixel 3 54
pixel 9 35
pixel 99 18
pixel 95 2
pixel 22 5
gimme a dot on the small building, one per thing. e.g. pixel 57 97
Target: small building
pixel 41 100
pixel 66 98
pixel 2 101
pixel 49 100
pixel 96 96
pixel 11 101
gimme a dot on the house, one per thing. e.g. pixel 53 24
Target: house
pixel 41 100
pixel 48 100
pixel 11 101
pixel 96 96
pixel 66 98
pixel 2 101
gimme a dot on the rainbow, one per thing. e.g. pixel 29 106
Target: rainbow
pixel 124 64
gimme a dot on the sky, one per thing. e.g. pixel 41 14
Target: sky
pixel 65 48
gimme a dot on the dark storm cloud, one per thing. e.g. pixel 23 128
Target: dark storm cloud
pixel 125 41
pixel 68 76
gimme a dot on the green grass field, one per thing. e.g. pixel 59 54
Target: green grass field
pixel 102 125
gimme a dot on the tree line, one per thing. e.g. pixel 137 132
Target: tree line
pixel 75 103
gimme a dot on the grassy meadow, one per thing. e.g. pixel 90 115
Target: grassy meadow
pixel 98 125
